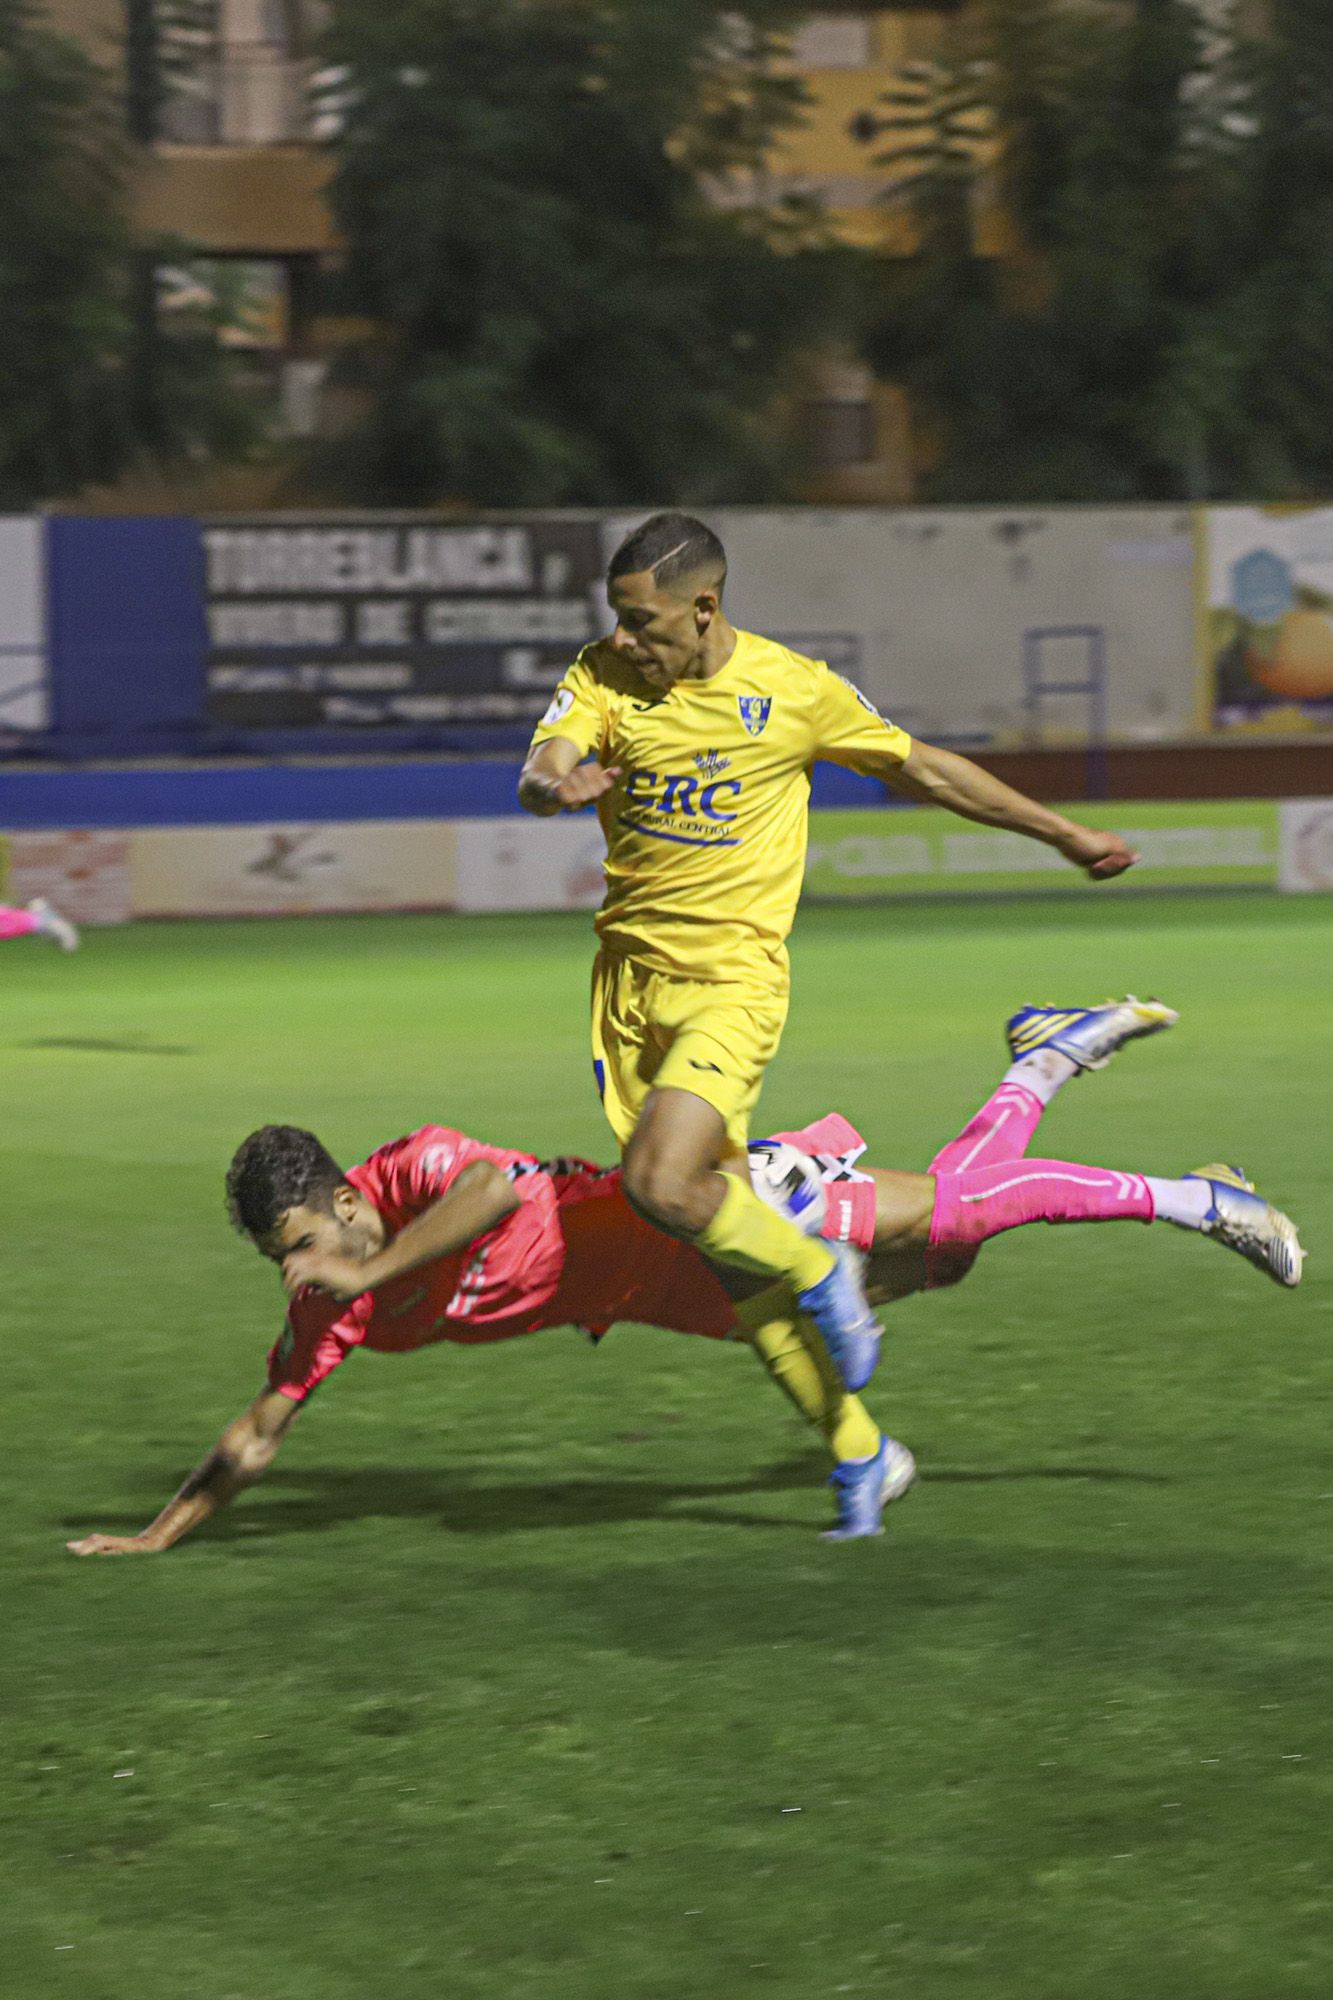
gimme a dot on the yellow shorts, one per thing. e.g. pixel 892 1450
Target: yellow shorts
pixel 651 1031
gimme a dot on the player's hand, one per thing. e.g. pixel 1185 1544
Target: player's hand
pixel 583 786
pixel 344 1277
pixel 1102 855
pixel 114 1545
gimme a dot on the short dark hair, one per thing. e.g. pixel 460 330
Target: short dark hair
pixel 277 1168
pixel 671 546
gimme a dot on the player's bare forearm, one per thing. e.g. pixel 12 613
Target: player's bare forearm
pixel 942 778
pixel 538 795
pixel 555 779
pixel 479 1199
pixel 544 769
pixel 241 1455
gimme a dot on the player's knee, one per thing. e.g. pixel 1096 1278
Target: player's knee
pixel 663 1195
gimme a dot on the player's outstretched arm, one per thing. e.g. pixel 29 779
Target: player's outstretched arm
pixel 942 778
pixel 479 1200
pixel 241 1455
pixel 555 779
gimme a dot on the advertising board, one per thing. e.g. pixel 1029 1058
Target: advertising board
pixel 1307 845
pixel 365 621
pixel 86 874
pixel 1265 640
pixel 529 864
pixel 272 871
pixel 520 864
pixel 1231 843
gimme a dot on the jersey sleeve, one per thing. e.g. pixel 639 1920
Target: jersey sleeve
pixel 850 730
pixel 319 1335
pixel 508 1270
pixel 578 711
pixel 415 1172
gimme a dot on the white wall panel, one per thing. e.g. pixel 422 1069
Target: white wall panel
pixel 927 609
pixel 24 684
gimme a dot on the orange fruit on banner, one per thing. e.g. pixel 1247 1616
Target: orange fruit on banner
pixel 1299 663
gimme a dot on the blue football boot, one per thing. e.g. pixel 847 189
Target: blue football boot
pixel 864 1488
pixel 839 1308
pixel 1088 1036
pixel 1241 1219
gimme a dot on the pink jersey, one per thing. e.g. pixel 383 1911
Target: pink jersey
pixel 490 1291
pixel 573 1253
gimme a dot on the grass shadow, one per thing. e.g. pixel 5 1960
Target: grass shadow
pixel 107 1045
pixel 318 1498
pixel 463 1501
pixel 1099 1475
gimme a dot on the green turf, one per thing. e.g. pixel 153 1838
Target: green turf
pixel 525 1675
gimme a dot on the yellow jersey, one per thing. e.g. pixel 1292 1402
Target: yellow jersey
pixel 706 825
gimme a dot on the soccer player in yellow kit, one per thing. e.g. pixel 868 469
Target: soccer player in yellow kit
pixel 701 740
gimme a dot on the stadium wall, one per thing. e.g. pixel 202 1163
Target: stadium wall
pixel 346 635
pixel 280 713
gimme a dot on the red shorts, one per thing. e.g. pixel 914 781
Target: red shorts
pixel 618 1267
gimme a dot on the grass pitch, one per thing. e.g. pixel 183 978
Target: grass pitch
pixel 524 1675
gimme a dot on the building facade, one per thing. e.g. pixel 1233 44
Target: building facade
pixel 231 162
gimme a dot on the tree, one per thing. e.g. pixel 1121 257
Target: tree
pixel 561 314
pixel 64 326
pixel 90 380
pixel 1159 326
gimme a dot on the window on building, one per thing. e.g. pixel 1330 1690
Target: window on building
pixel 243 302
pixel 243 317
pixel 232 72
pixel 832 41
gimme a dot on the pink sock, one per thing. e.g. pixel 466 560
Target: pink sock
pixel 16 923
pixel 850 1214
pixel 970 1207
pixel 1001 1130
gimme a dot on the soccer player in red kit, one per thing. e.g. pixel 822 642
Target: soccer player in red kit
pixel 439 1237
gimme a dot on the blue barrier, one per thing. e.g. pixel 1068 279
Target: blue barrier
pixel 256 794
pixel 126 632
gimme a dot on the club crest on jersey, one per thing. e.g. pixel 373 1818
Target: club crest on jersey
pixel 710 764
pixel 754 711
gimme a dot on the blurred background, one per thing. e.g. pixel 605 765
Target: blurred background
pixel 340 343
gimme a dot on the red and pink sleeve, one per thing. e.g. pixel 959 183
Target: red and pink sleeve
pixel 318 1336
pixel 419 1169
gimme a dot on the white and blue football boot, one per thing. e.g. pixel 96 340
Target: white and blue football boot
pixel 1242 1220
pixel 865 1487
pixel 839 1308
pixel 1088 1036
